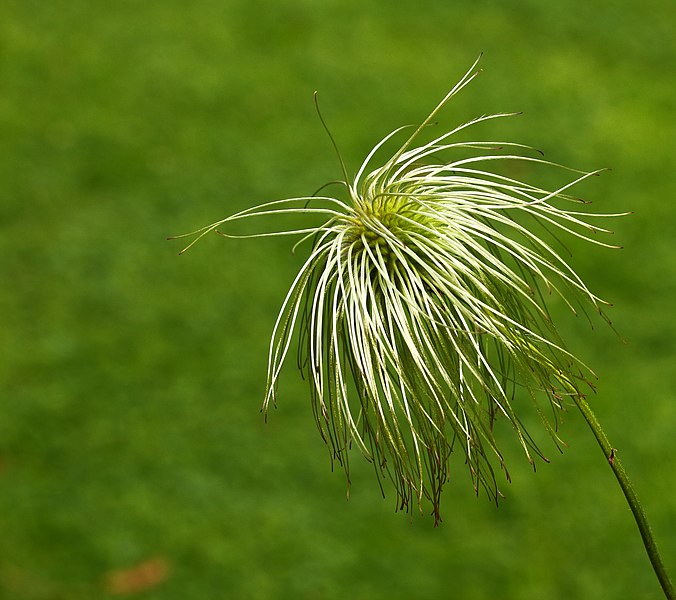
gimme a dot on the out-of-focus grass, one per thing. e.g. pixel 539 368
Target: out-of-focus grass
pixel 131 378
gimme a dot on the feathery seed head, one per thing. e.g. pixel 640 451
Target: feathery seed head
pixel 420 310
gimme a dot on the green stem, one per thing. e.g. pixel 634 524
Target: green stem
pixel 630 495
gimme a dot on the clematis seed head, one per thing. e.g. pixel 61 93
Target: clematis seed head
pixel 421 310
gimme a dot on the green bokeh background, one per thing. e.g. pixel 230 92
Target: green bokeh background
pixel 131 379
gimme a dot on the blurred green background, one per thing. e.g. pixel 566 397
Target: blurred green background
pixel 133 457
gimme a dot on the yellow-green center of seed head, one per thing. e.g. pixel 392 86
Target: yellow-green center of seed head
pixel 387 222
